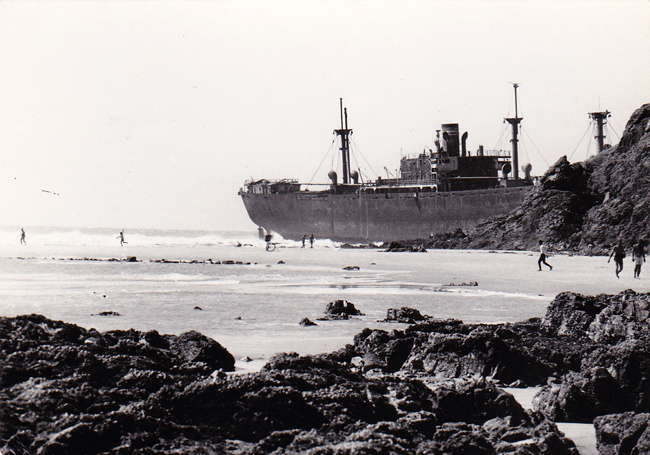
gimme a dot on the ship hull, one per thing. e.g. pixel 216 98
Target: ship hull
pixel 361 217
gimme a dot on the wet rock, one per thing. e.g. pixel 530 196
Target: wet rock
pixel 306 322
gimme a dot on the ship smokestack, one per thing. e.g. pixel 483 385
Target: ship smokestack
pixel 354 175
pixel 464 143
pixel 480 150
pixel 450 139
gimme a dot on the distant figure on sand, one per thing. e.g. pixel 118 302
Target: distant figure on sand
pixel 638 256
pixel 304 237
pixel 311 241
pixel 619 254
pixel 543 250
pixel 121 237
pixel 22 237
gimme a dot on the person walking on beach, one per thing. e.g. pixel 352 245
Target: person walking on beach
pixel 638 256
pixel 543 250
pixel 121 237
pixel 311 241
pixel 619 254
pixel 304 237
pixel 22 237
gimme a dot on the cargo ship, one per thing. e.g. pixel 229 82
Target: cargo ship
pixel 439 190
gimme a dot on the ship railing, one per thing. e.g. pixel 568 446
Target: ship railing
pixel 498 153
pixel 248 182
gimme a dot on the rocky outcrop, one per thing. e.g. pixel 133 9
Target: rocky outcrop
pixel 614 375
pixel 70 390
pixel 591 354
pixel 450 349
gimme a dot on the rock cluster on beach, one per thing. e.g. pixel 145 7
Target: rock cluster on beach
pixel 431 388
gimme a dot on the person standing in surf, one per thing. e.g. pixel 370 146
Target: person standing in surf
pixel 543 252
pixel 121 237
pixel 619 254
pixel 22 237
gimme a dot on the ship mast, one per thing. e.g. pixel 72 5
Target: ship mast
pixel 344 132
pixel 515 142
pixel 601 119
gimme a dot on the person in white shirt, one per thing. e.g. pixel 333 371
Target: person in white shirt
pixel 542 257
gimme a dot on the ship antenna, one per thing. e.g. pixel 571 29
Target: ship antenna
pixel 344 132
pixel 515 142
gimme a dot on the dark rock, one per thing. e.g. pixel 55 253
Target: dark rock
pixel 405 315
pixel 626 433
pixel 571 314
pixel 194 347
pixel 351 267
pixel 342 307
pixel 410 248
pixel 382 350
pixel 107 313
pixel 580 397
pixel 624 318
pixel 307 322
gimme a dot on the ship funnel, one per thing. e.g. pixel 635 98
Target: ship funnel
pixel 527 168
pixel 463 139
pixel 354 175
pixel 480 150
pixel 333 177
pixel 450 139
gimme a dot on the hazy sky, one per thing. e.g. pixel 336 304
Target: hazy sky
pixel 151 114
